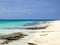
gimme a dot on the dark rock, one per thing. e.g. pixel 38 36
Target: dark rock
pixel 42 26
pixel 36 28
pixel 11 37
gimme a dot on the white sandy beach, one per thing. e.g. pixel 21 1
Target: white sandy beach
pixel 48 36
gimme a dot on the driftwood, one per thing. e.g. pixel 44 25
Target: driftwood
pixel 32 44
pixel 11 37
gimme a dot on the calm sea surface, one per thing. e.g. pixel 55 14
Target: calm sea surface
pixel 16 23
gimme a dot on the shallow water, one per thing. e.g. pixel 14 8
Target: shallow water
pixel 15 23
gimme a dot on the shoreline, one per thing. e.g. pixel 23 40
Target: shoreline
pixel 48 36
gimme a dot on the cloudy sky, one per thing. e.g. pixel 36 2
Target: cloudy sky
pixel 29 9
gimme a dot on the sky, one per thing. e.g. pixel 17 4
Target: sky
pixel 29 9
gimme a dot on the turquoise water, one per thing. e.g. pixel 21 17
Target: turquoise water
pixel 13 23
pixel 4 24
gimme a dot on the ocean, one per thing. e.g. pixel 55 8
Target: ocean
pixel 5 24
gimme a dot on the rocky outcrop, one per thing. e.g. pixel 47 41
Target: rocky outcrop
pixel 11 37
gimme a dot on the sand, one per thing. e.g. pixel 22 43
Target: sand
pixel 51 36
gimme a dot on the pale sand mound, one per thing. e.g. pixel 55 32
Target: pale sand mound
pixel 52 38
pixel 54 26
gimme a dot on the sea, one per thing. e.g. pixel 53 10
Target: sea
pixel 9 24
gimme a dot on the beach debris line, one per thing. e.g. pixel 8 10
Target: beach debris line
pixel 36 28
pixel 43 34
pixel 40 26
pixel 12 37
